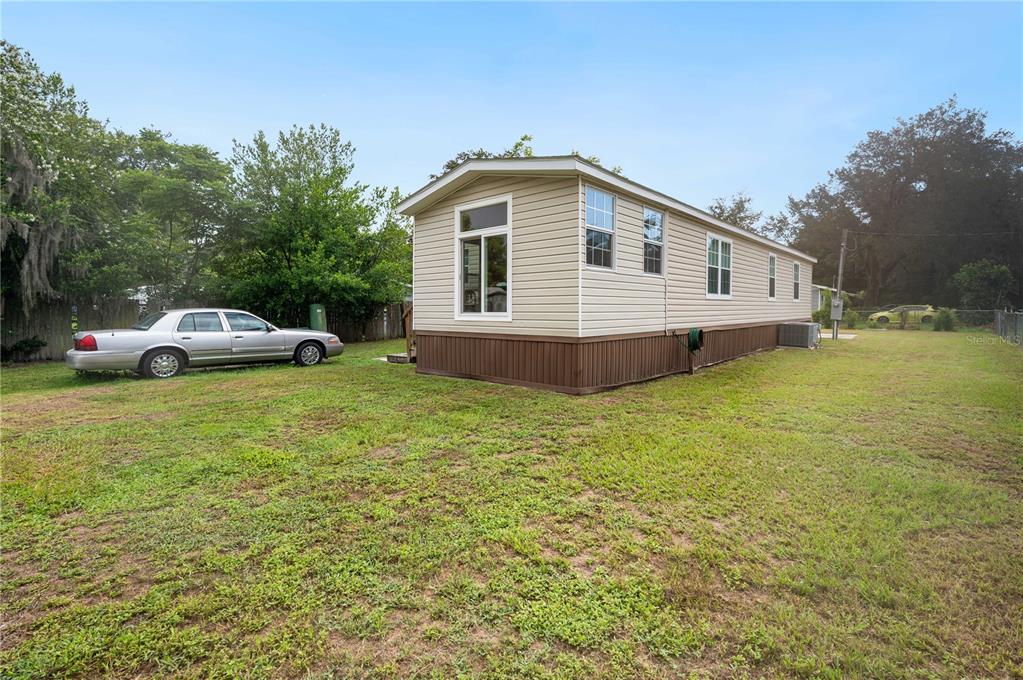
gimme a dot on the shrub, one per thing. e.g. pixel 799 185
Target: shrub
pixel 945 320
pixel 23 349
pixel 851 318
pixel 984 284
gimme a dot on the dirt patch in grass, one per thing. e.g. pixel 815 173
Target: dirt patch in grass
pixel 64 410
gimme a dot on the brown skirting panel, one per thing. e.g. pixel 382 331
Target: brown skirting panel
pixel 580 366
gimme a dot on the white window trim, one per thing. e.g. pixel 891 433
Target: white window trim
pixel 506 229
pixel 772 259
pixel 706 263
pixel 662 243
pixel 797 285
pixel 614 231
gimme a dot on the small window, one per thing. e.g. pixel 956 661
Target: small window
pixel 484 217
pixel 201 322
pixel 240 321
pixel 795 280
pixel 600 226
pixel 719 267
pixel 772 283
pixel 653 241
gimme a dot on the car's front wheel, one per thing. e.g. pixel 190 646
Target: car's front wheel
pixel 882 320
pixel 925 319
pixel 308 354
pixel 163 363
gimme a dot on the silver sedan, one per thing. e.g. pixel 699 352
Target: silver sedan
pixel 164 343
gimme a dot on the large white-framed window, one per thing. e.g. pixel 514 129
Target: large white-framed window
pixel 483 243
pixel 600 228
pixel 772 277
pixel 653 242
pixel 795 280
pixel 719 267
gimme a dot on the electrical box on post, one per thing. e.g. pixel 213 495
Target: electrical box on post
pixel 836 310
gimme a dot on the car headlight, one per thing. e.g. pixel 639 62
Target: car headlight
pixel 333 340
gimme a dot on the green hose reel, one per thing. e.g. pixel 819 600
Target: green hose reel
pixel 695 339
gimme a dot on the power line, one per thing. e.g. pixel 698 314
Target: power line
pixel 932 233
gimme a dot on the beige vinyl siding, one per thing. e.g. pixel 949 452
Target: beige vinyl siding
pixel 623 299
pixel 545 249
pixel 688 304
pixel 626 300
pixel 551 282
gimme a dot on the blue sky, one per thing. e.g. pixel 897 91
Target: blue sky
pixel 697 100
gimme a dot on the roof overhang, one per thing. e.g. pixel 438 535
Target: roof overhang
pixel 570 166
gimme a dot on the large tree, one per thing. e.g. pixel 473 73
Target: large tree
pixel 737 210
pixel 59 169
pixel 180 196
pixel 520 149
pixel 920 200
pixel 305 232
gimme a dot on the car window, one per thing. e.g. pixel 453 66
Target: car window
pixel 147 322
pixel 201 322
pixel 240 321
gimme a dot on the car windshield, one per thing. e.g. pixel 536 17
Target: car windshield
pixel 147 321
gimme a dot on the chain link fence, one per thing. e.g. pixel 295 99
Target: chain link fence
pixel 888 317
pixel 1009 327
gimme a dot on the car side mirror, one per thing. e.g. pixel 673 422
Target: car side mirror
pixel 270 329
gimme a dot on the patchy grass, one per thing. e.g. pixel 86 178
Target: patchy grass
pixel 851 512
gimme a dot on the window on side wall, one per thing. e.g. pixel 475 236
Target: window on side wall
pixel 484 284
pixel 772 276
pixel 653 241
pixel 795 280
pixel 600 228
pixel 719 267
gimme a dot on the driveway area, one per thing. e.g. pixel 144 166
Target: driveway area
pixel 855 511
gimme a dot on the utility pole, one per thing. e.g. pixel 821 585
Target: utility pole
pixel 841 267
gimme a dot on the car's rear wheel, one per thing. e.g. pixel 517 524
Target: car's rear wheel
pixel 926 319
pixel 882 320
pixel 163 363
pixel 308 354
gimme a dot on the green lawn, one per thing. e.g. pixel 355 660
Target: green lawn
pixel 850 512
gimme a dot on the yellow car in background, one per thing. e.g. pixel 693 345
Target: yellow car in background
pixel 915 314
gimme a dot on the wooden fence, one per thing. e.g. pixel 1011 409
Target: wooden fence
pixel 386 325
pixel 51 322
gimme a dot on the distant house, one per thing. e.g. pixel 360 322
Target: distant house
pixel 817 295
pixel 553 272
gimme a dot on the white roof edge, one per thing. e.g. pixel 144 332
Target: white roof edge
pixel 415 199
pixel 571 164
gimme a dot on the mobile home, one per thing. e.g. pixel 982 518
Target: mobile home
pixel 554 272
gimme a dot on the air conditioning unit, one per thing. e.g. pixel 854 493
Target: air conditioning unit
pixel 799 334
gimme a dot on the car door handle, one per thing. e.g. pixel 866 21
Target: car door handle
pixel 238 337
pixel 186 337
